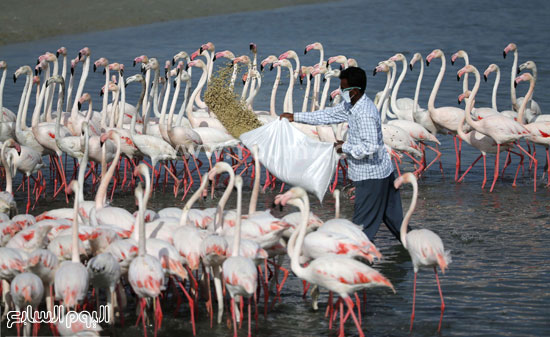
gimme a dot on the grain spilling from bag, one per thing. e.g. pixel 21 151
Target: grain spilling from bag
pixel 225 104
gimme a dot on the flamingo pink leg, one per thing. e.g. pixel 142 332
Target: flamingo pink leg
pixel 469 168
pixel 496 168
pixel 442 302
pixel 414 302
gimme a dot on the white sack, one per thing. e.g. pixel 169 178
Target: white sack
pixel 293 157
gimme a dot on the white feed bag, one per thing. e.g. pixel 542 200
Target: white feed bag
pixel 293 157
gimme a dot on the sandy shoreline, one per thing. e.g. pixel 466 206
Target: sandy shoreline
pixel 26 20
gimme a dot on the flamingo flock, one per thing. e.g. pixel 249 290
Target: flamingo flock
pixel 221 256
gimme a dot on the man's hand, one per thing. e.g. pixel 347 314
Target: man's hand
pixel 288 116
pixel 338 146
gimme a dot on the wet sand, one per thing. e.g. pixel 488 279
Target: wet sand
pixel 26 20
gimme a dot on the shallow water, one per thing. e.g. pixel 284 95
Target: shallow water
pixel 498 283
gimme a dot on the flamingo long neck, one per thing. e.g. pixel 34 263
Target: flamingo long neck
pixel 82 165
pixel 25 96
pixel 140 102
pixel 256 187
pixel 325 93
pixel 155 96
pixel 141 223
pixel 198 100
pixel 146 97
pixel 317 82
pixel 395 91
pixel 122 90
pixel 162 121
pixel 435 89
pixel 274 93
pixel 495 89
pixel 465 81
pixel 384 94
pixel 297 69
pixel 181 112
pixel 253 93
pixel 23 120
pixel 85 71
pixel 526 99
pixel 192 200
pixel 387 99
pixel 233 77
pixel 299 239
pixel 288 97
pixel 105 97
pixel 223 200
pixel 512 80
pixel 407 218
pixel 59 113
pixel 74 247
pixel 460 128
pixel 2 82
pixel 247 82
pixel 197 90
pixel 173 108
pixel 51 92
pixel 114 109
pixel 46 77
pixel 9 187
pixel 69 92
pixel 418 84
pixel 306 93
pixel 37 107
pixel 101 195
pixel 237 235
pixel 210 61
pixel 471 101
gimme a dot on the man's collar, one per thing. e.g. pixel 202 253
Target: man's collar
pixel 352 108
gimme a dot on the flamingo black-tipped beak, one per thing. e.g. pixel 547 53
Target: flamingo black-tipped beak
pixel 47 84
pixel 324 80
pixel 134 63
pixel 452 62
pixel 485 77
pixel 310 77
pixel 101 93
pixel 14 78
pixel 261 67
pixel 175 83
pixel 271 67
pixel 504 54
pixel 143 70
pixel 458 77
pixel 56 54
pixel 411 66
pixel 95 68
pixel 519 70
pixel 305 51
pixel 121 72
pixel 200 50
pixel 186 66
pixel 374 72
pixel 214 58
pixel 515 84
pixel 173 61
pixel 301 80
pixel 427 63
pixel 72 71
pixel 79 55
pixel 37 61
pixel 459 101
pixel 79 105
pixel 104 71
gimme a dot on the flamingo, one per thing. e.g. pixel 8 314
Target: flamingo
pixel 403 108
pixel 420 115
pixel 7 117
pixel 145 273
pixel 445 118
pixel 11 264
pixel 71 279
pixel 424 246
pixel 534 109
pixel 502 129
pixel 26 290
pixel 339 274
pixel 317 82
pixel 240 274
pixel 104 271
pixel 44 263
pixel 539 132
pixel 534 105
pixel 7 202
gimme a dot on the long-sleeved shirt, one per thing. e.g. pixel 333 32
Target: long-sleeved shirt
pixel 367 156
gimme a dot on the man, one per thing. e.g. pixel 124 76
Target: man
pixel 370 166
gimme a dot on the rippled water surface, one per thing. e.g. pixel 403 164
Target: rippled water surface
pixel 498 283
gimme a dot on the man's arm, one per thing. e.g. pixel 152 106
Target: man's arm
pixel 332 115
pixel 368 138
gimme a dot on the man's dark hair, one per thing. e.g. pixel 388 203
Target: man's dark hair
pixel 355 76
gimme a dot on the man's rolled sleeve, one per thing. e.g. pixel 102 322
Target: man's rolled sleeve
pixel 332 115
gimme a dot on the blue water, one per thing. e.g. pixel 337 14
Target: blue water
pixel 498 283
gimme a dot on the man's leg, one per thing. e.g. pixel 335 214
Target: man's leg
pixel 370 203
pixel 393 213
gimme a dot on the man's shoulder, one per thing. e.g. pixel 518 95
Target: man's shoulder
pixel 366 105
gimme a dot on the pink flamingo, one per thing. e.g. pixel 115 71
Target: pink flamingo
pixel 239 272
pixel 26 290
pixel 71 279
pixel 11 264
pixel 502 129
pixel 145 273
pixel 424 246
pixel 339 274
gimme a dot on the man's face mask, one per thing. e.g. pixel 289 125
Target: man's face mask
pixel 345 94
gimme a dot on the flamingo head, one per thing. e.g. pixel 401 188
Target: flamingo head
pixel 334 93
pixel 463 96
pixel 353 62
pixel 207 46
pixel 315 45
pixel 83 53
pixel 3 64
pixel 101 62
pixel 226 53
pixel 86 97
pixel 141 59
pixel 36 80
pixel 196 63
pixel 253 47
pixel 466 69
pixel 61 51
pixel 416 57
pixel 74 62
pixel 523 77
pixel 196 53
pixel 288 54
pixel 219 168
pixel 73 187
pixel 398 57
pixel 432 55
pixel 268 60
pixel 180 55
pixel 531 65
pixel 290 197
pixel 22 70
pixel 381 67
pixel 510 47
pixel 141 169
pixel 459 54
pixel 55 79
pixel 135 78
pixel 50 57
pixel 242 59
pixel 491 68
